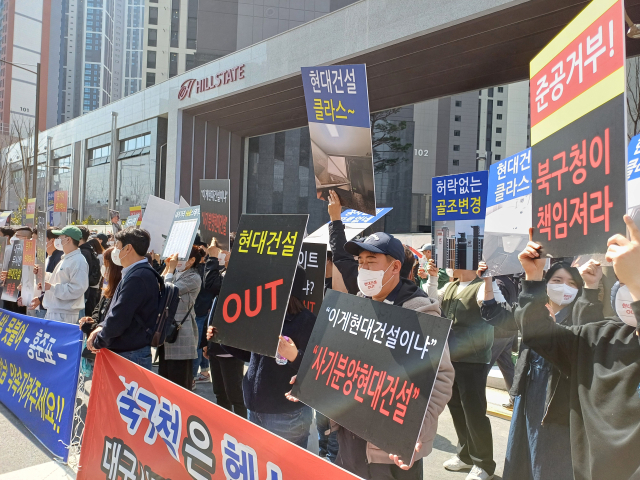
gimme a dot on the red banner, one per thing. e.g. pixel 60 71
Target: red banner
pixel 140 425
pixel 60 201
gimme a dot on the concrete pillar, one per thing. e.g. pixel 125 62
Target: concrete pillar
pixel 113 171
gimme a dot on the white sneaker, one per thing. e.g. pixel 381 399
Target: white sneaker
pixel 477 473
pixel 454 464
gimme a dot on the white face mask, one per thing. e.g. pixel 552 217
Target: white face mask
pixel 115 257
pixel 370 281
pixel 58 244
pixel 623 307
pixel 13 240
pixel 181 267
pixel 561 294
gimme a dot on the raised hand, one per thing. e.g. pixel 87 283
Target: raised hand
pixel 591 273
pixel 625 255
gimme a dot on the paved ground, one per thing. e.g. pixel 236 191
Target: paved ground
pixel 23 457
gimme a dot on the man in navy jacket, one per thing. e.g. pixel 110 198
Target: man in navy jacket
pixel 134 305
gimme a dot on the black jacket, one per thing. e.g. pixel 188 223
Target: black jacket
pixel 212 282
pixel 344 262
pixel 208 291
pixel 586 309
pixel 266 382
pixel 601 361
pixel 54 258
pixel 134 308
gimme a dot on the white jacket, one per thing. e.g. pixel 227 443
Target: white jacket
pixel 69 281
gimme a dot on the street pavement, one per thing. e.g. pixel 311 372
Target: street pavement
pixel 23 457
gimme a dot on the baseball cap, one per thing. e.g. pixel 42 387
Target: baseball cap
pixel 425 247
pixel 377 243
pixel 70 231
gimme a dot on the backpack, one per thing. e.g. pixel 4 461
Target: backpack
pixel 168 300
pixel 94 268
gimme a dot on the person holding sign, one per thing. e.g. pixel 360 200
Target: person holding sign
pixel 267 379
pixel 64 290
pixel 380 258
pixel 539 446
pixel 599 358
pixel 470 342
pixel 176 358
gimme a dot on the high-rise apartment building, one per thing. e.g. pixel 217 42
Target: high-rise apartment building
pixel 183 34
pixel 24 40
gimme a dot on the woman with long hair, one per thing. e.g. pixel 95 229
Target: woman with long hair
pixel 111 274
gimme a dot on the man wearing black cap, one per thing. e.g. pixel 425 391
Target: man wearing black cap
pixel 380 259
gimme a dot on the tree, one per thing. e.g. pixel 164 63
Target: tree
pixel 633 97
pixel 20 155
pixel 388 148
pixel 5 170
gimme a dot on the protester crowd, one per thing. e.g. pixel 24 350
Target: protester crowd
pixel 574 388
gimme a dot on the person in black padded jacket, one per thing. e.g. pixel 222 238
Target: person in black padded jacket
pixel 266 382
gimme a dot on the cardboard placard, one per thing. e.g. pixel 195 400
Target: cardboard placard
pixel 313 258
pixel 508 214
pixel 256 288
pixel 458 211
pixel 60 201
pixel 137 211
pixel 14 272
pixel 633 179
pixel 337 103
pixel 214 211
pixel 358 350
pixel 30 212
pixel 459 197
pixel 132 221
pixel 182 233
pixel 157 220
pixel 4 217
pixel 578 133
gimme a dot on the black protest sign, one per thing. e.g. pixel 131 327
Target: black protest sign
pixel 182 233
pixel 371 367
pixel 313 258
pixel 257 284
pixel 214 211
pixel 14 273
pixel 578 180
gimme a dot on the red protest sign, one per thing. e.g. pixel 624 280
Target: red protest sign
pixel 60 201
pixel 29 253
pixel 143 426
pixel 588 51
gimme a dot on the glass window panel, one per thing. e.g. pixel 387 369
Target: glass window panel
pixel 96 198
pixel 136 181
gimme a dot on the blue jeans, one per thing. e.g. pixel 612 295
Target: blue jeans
pixel 81 314
pixel 200 362
pixel 40 313
pixel 327 444
pixel 142 356
pixel 292 426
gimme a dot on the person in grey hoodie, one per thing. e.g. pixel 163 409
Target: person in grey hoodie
pixel 381 252
pixel 176 359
